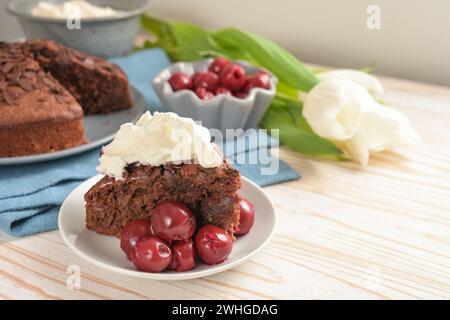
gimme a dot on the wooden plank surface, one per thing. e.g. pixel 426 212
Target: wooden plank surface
pixel 343 232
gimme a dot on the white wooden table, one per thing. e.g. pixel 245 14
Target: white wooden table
pixel 343 232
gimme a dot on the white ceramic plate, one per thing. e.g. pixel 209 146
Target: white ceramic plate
pixel 99 130
pixel 104 251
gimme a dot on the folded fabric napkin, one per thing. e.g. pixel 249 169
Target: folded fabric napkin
pixel 30 195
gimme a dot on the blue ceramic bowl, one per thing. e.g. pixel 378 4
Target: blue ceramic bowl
pixel 105 37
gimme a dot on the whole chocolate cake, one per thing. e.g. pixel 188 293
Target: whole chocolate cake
pixel 37 114
pixel 44 88
pixel 98 85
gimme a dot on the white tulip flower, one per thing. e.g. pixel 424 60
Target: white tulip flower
pixel 360 77
pixel 344 112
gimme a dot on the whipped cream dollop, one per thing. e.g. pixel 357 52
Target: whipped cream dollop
pixel 69 9
pixel 157 140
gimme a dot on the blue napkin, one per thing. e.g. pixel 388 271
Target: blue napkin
pixel 30 195
pixel 141 67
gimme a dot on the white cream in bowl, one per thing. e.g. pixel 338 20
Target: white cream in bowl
pixel 69 9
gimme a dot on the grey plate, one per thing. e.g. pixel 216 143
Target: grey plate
pixel 99 130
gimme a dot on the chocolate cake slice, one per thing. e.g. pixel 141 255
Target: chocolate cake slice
pixel 98 85
pixel 209 192
pixel 162 157
pixel 37 114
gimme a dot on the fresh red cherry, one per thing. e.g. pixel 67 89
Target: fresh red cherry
pixel 180 81
pixel 232 77
pixel 204 94
pixel 194 76
pixel 223 90
pixel 240 94
pixel 218 64
pixel 183 256
pixel 259 80
pixel 247 217
pixel 152 255
pixel 207 80
pixel 173 221
pixel 213 244
pixel 132 233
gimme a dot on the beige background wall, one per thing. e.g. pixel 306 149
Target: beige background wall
pixel 413 42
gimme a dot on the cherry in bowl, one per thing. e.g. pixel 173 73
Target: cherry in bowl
pixel 204 94
pixel 232 77
pixel 259 80
pixel 218 65
pixel 180 81
pixel 223 90
pixel 207 80
pixel 221 78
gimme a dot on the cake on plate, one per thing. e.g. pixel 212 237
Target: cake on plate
pixel 162 158
pixel 44 89
pixel 98 85
pixel 37 114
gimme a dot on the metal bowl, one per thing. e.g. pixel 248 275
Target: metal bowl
pixel 106 36
pixel 223 111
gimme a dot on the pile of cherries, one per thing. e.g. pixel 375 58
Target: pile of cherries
pixel 169 239
pixel 222 77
